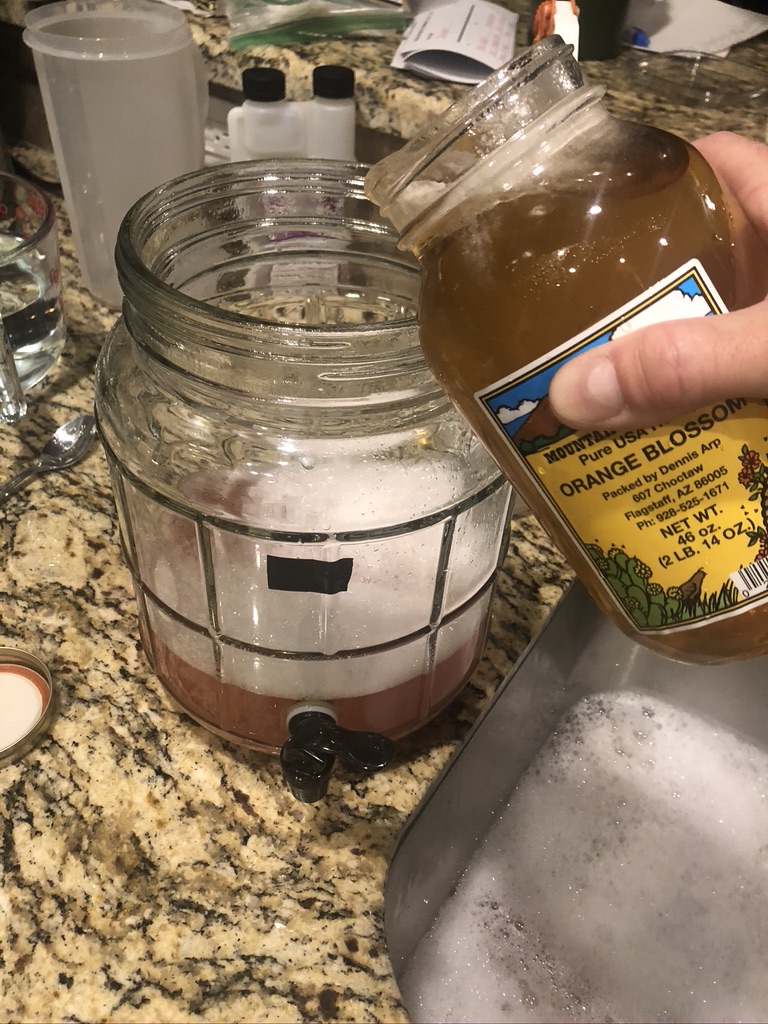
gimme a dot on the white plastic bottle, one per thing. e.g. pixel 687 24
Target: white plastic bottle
pixel 266 125
pixel 330 114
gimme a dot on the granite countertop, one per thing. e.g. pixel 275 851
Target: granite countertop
pixel 398 103
pixel 150 871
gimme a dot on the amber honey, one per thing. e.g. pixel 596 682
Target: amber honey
pixel 574 231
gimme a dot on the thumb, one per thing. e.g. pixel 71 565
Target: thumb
pixel 657 373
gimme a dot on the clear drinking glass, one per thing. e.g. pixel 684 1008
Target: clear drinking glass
pixel 30 301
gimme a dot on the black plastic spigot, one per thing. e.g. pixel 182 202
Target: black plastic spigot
pixel 308 757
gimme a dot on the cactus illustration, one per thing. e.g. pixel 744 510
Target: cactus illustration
pixel 648 604
pixel 646 601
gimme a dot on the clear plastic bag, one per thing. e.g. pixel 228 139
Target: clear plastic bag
pixel 259 22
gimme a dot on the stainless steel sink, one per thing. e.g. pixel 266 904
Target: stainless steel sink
pixel 597 849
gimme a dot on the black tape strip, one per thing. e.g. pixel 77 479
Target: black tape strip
pixel 308 575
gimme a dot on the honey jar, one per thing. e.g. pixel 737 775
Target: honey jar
pixel 544 227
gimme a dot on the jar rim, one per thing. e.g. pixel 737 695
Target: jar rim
pixel 478 116
pixel 137 279
pixel 103 30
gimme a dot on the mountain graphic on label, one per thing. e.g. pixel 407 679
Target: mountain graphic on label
pixel 540 429
pixel 520 404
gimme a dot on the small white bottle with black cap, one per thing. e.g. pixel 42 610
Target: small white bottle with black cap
pixel 266 125
pixel 330 114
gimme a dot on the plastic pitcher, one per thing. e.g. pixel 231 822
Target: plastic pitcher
pixel 125 99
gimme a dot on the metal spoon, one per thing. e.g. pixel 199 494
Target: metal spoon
pixel 63 449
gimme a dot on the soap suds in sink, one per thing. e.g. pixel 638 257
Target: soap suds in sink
pixel 626 880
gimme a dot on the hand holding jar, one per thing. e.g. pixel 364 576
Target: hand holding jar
pixel 664 370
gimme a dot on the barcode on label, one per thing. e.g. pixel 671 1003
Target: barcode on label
pixel 752 579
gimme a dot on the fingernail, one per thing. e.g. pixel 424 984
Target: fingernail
pixel 588 392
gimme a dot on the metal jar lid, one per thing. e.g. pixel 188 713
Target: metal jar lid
pixel 26 702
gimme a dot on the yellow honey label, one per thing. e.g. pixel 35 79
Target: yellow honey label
pixel 674 517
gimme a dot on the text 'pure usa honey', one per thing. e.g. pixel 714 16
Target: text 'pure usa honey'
pixel 544 227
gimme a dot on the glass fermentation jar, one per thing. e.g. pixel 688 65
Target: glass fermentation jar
pixel 308 523
pixel 544 227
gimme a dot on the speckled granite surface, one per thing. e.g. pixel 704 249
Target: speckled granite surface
pixel 149 871
pixel 399 103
